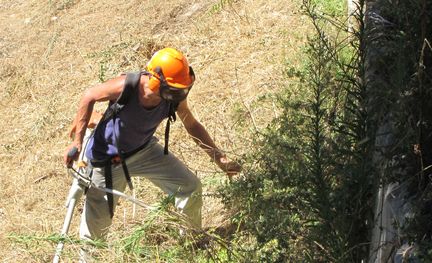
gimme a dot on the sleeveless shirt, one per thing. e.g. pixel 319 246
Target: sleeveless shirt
pixel 134 126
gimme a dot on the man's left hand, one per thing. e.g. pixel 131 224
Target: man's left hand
pixel 231 168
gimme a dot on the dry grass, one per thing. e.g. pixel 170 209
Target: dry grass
pixel 50 51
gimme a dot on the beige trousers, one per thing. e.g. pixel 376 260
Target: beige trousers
pixel 165 171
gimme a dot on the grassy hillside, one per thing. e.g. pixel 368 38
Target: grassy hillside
pixel 51 51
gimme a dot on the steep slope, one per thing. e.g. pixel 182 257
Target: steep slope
pixel 51 51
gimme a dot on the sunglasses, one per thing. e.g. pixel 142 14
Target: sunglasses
pixel 171 93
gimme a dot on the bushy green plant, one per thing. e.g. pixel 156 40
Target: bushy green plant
pixel 362 119
pixel 308 198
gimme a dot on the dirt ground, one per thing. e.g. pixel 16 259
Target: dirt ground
pixel 51 51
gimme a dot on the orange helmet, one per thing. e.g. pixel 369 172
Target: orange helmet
pixel 170 65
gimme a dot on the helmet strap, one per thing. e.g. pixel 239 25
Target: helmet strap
pixel 162 78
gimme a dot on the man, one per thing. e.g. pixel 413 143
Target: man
pixel 124 145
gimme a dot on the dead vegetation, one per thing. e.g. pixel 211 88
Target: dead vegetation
pixel 50 51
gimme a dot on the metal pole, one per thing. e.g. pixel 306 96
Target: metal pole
pixel 75 194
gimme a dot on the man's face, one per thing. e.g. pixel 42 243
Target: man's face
pixel 173 94
pixel 151 94
pixel 165 90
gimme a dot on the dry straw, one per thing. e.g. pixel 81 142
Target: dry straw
pixel 50 51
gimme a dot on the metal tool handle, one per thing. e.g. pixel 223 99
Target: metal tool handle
pixel 75 194
pixel 72 152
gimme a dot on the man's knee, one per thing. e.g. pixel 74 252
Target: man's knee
pixel 194 186
pixel 198 185
pixel 94 226
pixel 96 218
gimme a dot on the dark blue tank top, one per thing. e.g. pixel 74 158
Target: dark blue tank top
pixel 134 126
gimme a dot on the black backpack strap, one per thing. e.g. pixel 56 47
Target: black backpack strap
pixel 109 185
pixel 131 83
pixel 171 118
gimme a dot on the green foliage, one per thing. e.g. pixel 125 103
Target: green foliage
pixel 34 239
pixel 307 198
pixel 267 200
pixel 330 7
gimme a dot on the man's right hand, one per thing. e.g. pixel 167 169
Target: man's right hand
pixel 71 154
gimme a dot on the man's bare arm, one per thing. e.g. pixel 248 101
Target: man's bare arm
pixel 109 90
pixel 200 135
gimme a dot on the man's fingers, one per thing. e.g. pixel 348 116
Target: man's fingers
pixel 72 132
pixel 70 155
pixel 231 168
pixel 234 166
